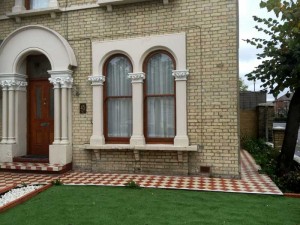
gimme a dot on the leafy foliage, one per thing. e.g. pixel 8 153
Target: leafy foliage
pixel 57 182
pixel 242 85
pixel 280 67
pixel 132 184
pixel 267 157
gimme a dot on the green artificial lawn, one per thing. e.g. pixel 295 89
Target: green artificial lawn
pixel 88 205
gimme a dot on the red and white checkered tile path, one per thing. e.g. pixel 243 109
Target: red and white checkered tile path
pixel 251 182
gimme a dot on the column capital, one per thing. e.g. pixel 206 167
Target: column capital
pixel 97 80
pixel 180 74
pixel 61 79
pixel 137 77
pixel 12 84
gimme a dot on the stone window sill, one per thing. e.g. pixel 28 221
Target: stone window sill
pixel 137 148
pixel 34 12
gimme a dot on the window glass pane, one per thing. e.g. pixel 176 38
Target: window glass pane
pixel 117 80
pixel 38 66
pixel 159 75
pixel 38 4
pixel 161 117
pixel 38 96
pixel 119 117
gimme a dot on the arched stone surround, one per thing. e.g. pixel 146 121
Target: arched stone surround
pixel 13 52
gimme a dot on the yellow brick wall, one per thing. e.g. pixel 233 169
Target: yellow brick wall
pixel 211 29
pixel 249 123
pixel 278 136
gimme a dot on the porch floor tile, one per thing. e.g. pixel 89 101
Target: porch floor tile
pixel 251 181
pixel 31 166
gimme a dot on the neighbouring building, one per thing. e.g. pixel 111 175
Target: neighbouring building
pixel 121 86
pixel 282 105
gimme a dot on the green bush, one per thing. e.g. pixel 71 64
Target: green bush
pixel 290 182
pixel 266 157
pixel 132 184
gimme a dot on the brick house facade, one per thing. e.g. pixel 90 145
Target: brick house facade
pixel 175 63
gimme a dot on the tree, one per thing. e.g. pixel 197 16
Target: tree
pixel 243 86
pixel 280 67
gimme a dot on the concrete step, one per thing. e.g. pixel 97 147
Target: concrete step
pixel 34 167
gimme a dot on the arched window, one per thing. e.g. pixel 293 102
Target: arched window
pixel 117 100
pixel 159 102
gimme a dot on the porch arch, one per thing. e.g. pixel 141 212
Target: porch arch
pixel 14 49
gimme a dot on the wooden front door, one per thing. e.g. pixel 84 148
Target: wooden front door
pixel 40 106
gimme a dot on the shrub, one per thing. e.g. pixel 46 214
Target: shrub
pixel 290 182
pixel 57 182
pixel 132 184
pixel 266 157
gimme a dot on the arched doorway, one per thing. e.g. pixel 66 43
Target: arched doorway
pixel 36 80
pixel 40 105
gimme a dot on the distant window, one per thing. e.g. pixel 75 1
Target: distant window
pixel 36 4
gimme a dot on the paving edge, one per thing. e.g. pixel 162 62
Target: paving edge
pixel 23 198
pixel 291 195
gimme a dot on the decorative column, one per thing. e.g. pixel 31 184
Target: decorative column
pixel 14 115
pixel 60 152
pixel 97 137
pixel 62 81
pixel 66 84
pixel 57 114
pixel 11 114
pixel 19 6
pixel 137 80
pixel 4 113
pixel 181 138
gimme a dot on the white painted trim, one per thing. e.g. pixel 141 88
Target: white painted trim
pixel 27 39
pixel 13 51
pixel 173 43
pixel 137 49
pixel 147 147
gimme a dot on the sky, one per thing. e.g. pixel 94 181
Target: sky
pixel 247 52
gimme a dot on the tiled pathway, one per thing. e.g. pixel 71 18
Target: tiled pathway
pixel 251 182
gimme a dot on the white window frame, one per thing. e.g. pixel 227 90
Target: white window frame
pixel 19 10
pixel 137 50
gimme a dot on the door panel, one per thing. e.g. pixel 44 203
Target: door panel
pixel 40 133
pixel 40 100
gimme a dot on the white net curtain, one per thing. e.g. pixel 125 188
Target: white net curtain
pixel 119 101
pixel 160 97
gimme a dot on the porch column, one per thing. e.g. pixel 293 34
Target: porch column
pixel 56 112
pixel 64 114
pixel 4 113
pixel 19 6
pixel 137 80
pixel 11 113
pixel 14 116
pixel 62 81
pixel 60 152
pixel 97 137
pixel 181 138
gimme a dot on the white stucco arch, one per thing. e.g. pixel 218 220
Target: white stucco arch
pixel 110 54
pixel 159 48
pixel 31 38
